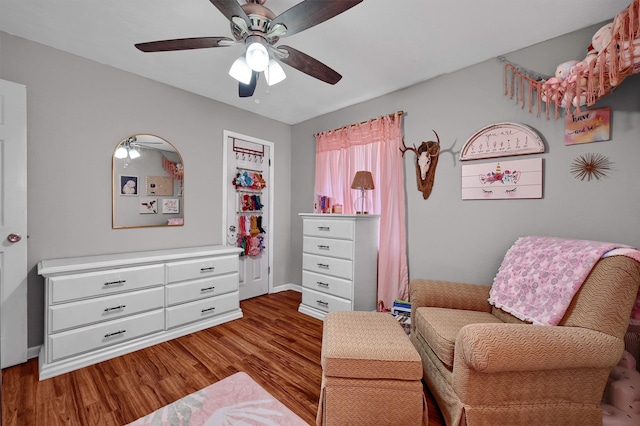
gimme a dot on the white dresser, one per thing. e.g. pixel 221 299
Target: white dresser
pixel 339 263
pixel 100 307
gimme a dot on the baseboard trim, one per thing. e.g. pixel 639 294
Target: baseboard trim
pixel 284 287
pixel 312 312
pixel 33 352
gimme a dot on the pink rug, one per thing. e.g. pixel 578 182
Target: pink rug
pixel 236 400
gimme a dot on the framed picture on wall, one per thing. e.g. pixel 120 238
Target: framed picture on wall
pixel 159 185
pixel 148 205
pixel 587 126
pixel 171 205
pixel 513 179
pixel 129 185
pixel 502 140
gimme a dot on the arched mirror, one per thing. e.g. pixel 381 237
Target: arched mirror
pixel 148 183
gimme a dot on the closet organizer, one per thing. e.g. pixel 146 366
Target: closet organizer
pixel 249 184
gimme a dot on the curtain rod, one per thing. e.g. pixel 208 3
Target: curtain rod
pixel 362 122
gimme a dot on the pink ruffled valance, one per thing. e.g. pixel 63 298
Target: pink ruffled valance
pixel 379 130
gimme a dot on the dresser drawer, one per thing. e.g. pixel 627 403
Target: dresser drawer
pixel 201 309
pixel 328 247
pixel 200 289
pixel 328 228
pixel 326 284
pixel 72 342
pixel 84 312
pixel 328 266
pixel 324 302
pixel 201 268
pixel 94 284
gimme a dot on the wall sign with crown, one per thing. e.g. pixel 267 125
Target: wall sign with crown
pixel 515 179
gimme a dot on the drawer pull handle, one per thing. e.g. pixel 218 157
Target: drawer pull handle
pixel 115 282
pixel 208 309
pixel 323 247
pixel 320 283
pixel 209 269
pixel 115 333
pixel 324 228
pixel 114 308
pixel 208 288
pixel 321 303
pixel 323 265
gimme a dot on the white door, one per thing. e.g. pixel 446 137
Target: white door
pixel 249 190
pixel 13 223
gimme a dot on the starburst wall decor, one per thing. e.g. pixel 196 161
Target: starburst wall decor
pixel 590 166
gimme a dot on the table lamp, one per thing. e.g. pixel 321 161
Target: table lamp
pixel 364 182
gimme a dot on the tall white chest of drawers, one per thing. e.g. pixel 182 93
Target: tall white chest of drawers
pixel 339 263
pixel 100 307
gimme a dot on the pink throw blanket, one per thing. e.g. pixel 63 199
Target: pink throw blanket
pixel 540 275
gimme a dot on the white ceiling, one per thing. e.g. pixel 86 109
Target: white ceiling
pixel 379 46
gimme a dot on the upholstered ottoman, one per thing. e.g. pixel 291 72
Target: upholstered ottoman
pixel 371 372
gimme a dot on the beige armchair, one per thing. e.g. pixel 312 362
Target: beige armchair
pixel 486 367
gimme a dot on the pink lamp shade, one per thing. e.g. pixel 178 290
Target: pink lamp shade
pixel 362 181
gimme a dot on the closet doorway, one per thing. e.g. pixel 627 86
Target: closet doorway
pixel 247 219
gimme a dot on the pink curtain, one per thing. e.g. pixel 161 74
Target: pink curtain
pixel 372 146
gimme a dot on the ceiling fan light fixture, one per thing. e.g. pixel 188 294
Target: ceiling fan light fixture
pixel 133 153
pixel 258 29
pixel 121 152
pixel 274 73
pixel 257 54
pixel 241 71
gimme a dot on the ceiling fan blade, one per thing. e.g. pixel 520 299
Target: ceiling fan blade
pixel 246 90
pixel 182 44
pixel 308 65
pixel 308 13
pixel 231 8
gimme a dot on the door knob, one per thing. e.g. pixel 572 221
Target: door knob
pixel 14 238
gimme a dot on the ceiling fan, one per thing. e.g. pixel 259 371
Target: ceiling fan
pixel 259 29
pixel 129 147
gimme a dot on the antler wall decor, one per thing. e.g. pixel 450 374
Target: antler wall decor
pixel 426 162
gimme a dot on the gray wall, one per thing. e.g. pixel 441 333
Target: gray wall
pixel 78 110
pixel 451 239
pixel 75 104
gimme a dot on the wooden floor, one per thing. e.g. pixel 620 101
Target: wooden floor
pixel 273 343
